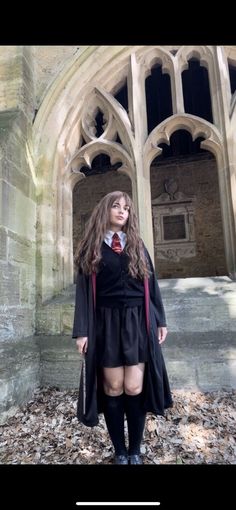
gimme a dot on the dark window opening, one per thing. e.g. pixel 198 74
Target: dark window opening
pixel 82 142
pixel 122 96
pixel 196 91
pixel 158 97
pixel 99 121
pixel 181 144
pixel 232 77
pixel 118 140
pixel 100 165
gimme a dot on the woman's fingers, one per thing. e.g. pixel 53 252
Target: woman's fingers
pixel 162 332
pixel 82 344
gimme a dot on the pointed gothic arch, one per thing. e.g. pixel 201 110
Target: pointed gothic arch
pixel 64 140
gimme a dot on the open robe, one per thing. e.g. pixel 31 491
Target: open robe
pixel 156 390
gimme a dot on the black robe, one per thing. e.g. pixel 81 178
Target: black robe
pixel 156 391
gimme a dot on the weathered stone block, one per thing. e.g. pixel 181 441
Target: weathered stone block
pixel 214 375
pixel 18 212
pixel 60 362
pixel 182 374
pixel 3 244
pixel 19 374
pixel 67 316
pixel 21 250
pixel 9 285
pixel 48 321
pixel 16 322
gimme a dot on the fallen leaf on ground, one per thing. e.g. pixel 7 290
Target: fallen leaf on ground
pixel 200 428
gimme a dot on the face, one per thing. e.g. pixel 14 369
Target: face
pixel 119 214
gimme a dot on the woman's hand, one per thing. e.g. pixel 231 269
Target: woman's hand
pixel 82 344
pixel 162 332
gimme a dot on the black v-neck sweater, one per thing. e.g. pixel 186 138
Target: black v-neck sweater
pixel 115 286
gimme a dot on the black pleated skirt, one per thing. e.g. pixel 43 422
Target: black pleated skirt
pixel 121 336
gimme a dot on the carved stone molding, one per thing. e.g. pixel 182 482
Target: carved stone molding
pixel 175 252
pixel 173 223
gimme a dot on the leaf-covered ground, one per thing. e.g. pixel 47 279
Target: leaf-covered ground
pixel 199 428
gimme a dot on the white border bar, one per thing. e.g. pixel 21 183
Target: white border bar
pixel 118 503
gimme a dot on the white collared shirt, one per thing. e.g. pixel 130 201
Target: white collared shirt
pixel 109 235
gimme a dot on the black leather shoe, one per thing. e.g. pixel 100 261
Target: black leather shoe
pixel 135 459
pixel 121 459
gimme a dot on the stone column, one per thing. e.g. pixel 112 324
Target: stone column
pixel 17 229
pixel 141 185
pixel 17 189
pixel 226 165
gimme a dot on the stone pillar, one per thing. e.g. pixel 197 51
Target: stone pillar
pixel 226 165
pixel 142 190
pixel 177 90
pixel 17 225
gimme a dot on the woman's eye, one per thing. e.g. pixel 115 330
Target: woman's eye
pixel 117 206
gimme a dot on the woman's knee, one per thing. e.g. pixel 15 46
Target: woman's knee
pixel 113 388
pixel 133 381
pixel 113 381
pixel 132 388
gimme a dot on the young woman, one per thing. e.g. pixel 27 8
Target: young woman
pixel 119 324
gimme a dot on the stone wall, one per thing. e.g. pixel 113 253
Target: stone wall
pixel 48 62
pixel 199 178
pixel 19 354
pixel 18 198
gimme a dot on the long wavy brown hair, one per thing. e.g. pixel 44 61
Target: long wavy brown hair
pixel 88 251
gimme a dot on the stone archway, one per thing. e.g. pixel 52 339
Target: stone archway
pixel 56 138
pixel 212 142
pixel 63 120
pixel 61 123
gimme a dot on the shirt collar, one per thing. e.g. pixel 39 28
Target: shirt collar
pixel 121 234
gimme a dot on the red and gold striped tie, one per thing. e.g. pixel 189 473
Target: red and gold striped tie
pixel 115 244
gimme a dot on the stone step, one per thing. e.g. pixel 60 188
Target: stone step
pixel 191 304
pixel 195 361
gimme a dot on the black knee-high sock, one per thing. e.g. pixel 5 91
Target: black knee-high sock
pixel 135 420
pixel 114 417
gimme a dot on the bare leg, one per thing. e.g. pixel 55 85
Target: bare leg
pixel 113 381
pixel 133 381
